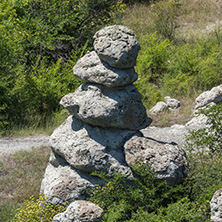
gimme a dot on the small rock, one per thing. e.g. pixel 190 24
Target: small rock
pixel 80 211
pixel 117 46
pixel 108 107
pixel 214 95
pixel 91 69
pixel 167 160
pixel 172 104
pixel 159 107
pixel 216 206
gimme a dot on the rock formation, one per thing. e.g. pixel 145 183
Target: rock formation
pixel 106 113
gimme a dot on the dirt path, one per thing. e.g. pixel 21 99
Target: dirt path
pixel 13 144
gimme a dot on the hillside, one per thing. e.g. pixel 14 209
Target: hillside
pixel 180 56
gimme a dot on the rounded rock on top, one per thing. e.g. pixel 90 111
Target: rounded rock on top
pixel 117 46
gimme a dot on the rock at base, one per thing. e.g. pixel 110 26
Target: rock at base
pixel 91 69
pixel 107 107
pixel 90 148
pixel 80 211
pixel 167 160
pixel 62 183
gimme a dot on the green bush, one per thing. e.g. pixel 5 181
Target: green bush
pixel 210 137
pixel 121 198
pixel 153 58
pixel 39 210
pixel 40 41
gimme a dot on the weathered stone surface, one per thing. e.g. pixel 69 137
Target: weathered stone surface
pixel 167 160
pixel 107 107
pixel 216 206
pixel 214 95
pixel 159 107
pixel 197 122
pixel 175 133
pixel 90 148
pixel 80 211
pixel 117 46
pixel 91 69
pixel 63 183
pixel 172 104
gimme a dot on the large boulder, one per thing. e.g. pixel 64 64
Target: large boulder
pixel 117 46
pixel 108 107
pixel 216 206
pixel 212 96
pixel 80 211
pixel 90 148
pixel 91 69
pixel 166 159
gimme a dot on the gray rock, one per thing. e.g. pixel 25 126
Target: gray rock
pixel 107 107
pixel 172 104
pixel 80 211
pixel 159 107
pixel 197 122
pixel 90 148
pixel 216 206
pixel 62 183
pixel 91 69
pixel 175 133
pixel 167 160
pixel 214 95
pixel 117 46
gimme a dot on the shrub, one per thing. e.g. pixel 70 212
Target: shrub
pixel 39 210
pixel 40 41
pixel 153 58
pixel 121 198
pixel 210 137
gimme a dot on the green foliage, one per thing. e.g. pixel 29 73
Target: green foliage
pixel 178 70
pixel 210 137
pixel 152 59
pixel 183 210
pixel 40 41
pixel 39 210
pixel 121 198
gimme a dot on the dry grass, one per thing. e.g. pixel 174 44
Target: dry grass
pixel 197 18
pixel 21 174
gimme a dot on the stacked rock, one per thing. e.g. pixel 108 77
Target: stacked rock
pixel 103 131
pixel 106 111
